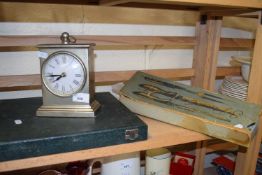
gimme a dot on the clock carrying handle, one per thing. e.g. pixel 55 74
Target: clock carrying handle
pixel 67 39
pixel 72 39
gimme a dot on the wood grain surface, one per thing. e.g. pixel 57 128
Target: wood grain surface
pixel 246 159
pixel 30 82
pixel 66 13
pixel 257 4
pixel 173 41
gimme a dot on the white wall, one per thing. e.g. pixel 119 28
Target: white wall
pixel 26 62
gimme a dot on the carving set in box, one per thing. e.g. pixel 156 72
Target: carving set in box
pixel 24 135
pixel 192 108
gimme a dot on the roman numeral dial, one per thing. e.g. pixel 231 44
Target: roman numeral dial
pixel 63 74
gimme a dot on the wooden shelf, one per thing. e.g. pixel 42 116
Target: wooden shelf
pixel 160 135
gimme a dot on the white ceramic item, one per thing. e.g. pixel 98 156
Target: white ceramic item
pixel 245 65
pixel 158 161
pixel 245 70
pixel 125 164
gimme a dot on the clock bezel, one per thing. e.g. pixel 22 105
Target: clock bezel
pixel 67 53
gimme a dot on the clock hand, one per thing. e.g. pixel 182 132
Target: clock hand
pixel 53 75
pixel 59 77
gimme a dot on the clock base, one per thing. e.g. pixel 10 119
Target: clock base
pixel 68 111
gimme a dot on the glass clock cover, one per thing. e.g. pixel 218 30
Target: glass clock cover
pixel 63 74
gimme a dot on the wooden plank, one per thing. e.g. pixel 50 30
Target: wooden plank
pixel 33 40
pixel 160 135
pixel 257 4
pixel 186 73
pixel 30 82
pixel 20 82
pixel 246 160
pixel 225 71
pixel 218 11
pixel 236 43
pixel 247 24
pixel 205 53
pixel 214 32
pixel 63 13
pixel 71 2
pixel 250 15
pixel 118 76
pixel 221 146
pixel 112 2
pixel 99 40
pixel 200 158
pixel 255 95
pixel 212 11
pixel 255 83
pixel 223 3
pixel 205 61
pixel 158 6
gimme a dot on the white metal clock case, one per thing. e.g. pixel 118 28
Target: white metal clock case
pixel 67 74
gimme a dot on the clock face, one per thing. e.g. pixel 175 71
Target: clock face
pixel 63 74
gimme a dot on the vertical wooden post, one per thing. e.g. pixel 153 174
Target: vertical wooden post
pixel 200 158
pixel 246 160
pixel 208 31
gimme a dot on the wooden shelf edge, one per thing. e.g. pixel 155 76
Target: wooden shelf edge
pixel 119 76
pixel 32 82
pixel 227 146
pixel 33 40
pixel 159 135
pixel 219 3
pixel 254 4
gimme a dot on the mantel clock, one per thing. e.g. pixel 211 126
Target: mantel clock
pixel 67 74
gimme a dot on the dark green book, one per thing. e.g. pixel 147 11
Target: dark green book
pixel 192 108
pixel 37 136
